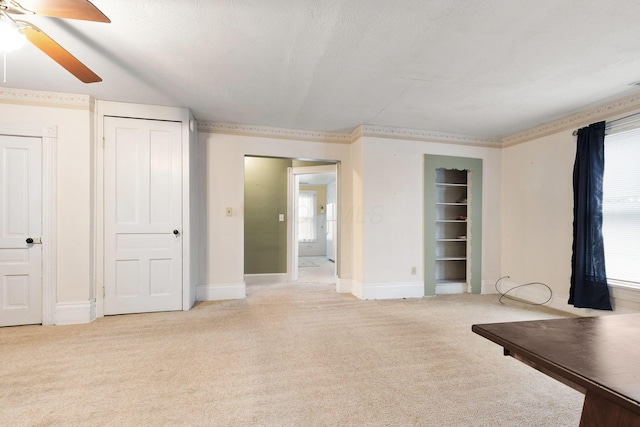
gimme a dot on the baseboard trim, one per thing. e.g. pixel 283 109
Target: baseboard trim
pixel 391 290
pixel 451 288
pixel 344 286
pixel 356 288
pixel 219 292
pixel 488 287
pixel 264 279
pixel 72 313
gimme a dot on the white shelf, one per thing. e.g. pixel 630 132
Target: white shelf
pixel 451 282
pixel 451 204
pixel 446 184
pixel 451 240
pixel 451 258
pixel 451 220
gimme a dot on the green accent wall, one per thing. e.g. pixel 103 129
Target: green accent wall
pixel 474 166
pixel 265 198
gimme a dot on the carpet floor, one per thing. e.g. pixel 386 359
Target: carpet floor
pixel 295 354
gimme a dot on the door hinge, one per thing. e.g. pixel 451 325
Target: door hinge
pixel 103 142
pixel 104 292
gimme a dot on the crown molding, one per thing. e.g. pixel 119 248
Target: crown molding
pixel 346 138
pixel 272 132
pixel 582 118
pixel 424 135
pixel 32 97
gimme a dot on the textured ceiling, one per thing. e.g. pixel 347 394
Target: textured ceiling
pixel 483 68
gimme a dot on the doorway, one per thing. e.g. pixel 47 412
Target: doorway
pixel 314 228
pixel 271 247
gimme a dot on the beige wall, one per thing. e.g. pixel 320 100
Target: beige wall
pixel 391 216
pixel 538 215
pixel 73 123
pixel 223 264
pixel 351 214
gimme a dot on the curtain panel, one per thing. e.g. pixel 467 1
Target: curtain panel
pixel 589 287
pixel 307 223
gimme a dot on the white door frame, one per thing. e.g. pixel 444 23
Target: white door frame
pixel 48 136
pixel 292 229
pixel 149 112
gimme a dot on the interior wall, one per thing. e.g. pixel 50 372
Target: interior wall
pixel 392 214
pixel 73 200
pixel 265 198
pixel 538 215
pixel 223 266
pixel 351 215
pixel 538 222
pixel 527 199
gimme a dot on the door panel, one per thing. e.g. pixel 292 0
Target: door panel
pixel 143 206
pixel 20 218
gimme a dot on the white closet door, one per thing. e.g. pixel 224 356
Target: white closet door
pixel 143 216
pixel 20 222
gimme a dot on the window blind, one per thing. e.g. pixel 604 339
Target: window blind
pixel 621 203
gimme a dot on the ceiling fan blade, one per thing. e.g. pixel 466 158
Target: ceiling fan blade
pixel 71 9
pixel 60 54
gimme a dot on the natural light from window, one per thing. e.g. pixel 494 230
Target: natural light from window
pixel 621 207
pixel 307 216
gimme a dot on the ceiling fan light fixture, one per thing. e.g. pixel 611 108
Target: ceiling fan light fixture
pixel 11 38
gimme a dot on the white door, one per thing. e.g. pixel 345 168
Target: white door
pixel 143 216
pixel 20 220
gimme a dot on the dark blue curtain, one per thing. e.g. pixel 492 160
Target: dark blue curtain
pixel 588 274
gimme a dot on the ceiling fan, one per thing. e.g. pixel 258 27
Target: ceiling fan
pixel 12 10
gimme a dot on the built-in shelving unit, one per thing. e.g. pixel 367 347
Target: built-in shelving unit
pixel 453 224
pixel 452 231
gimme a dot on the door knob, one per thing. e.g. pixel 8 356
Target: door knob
pixel 176 232
pixel 29 240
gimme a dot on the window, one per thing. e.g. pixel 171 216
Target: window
pixel 307 216
pixel 621 204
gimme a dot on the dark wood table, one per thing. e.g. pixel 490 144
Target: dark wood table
pixel 598 356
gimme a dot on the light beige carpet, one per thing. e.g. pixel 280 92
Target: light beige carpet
pixel 287 355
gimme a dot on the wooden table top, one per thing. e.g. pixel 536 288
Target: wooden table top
pixel 600 354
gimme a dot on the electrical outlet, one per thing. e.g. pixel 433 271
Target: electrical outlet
pixel 281 217
pixel 413 271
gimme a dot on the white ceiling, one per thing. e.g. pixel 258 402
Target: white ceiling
pixel 317 178
pixel 488 68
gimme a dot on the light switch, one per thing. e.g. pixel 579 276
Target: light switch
pixel 281 217
pixel 229 211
